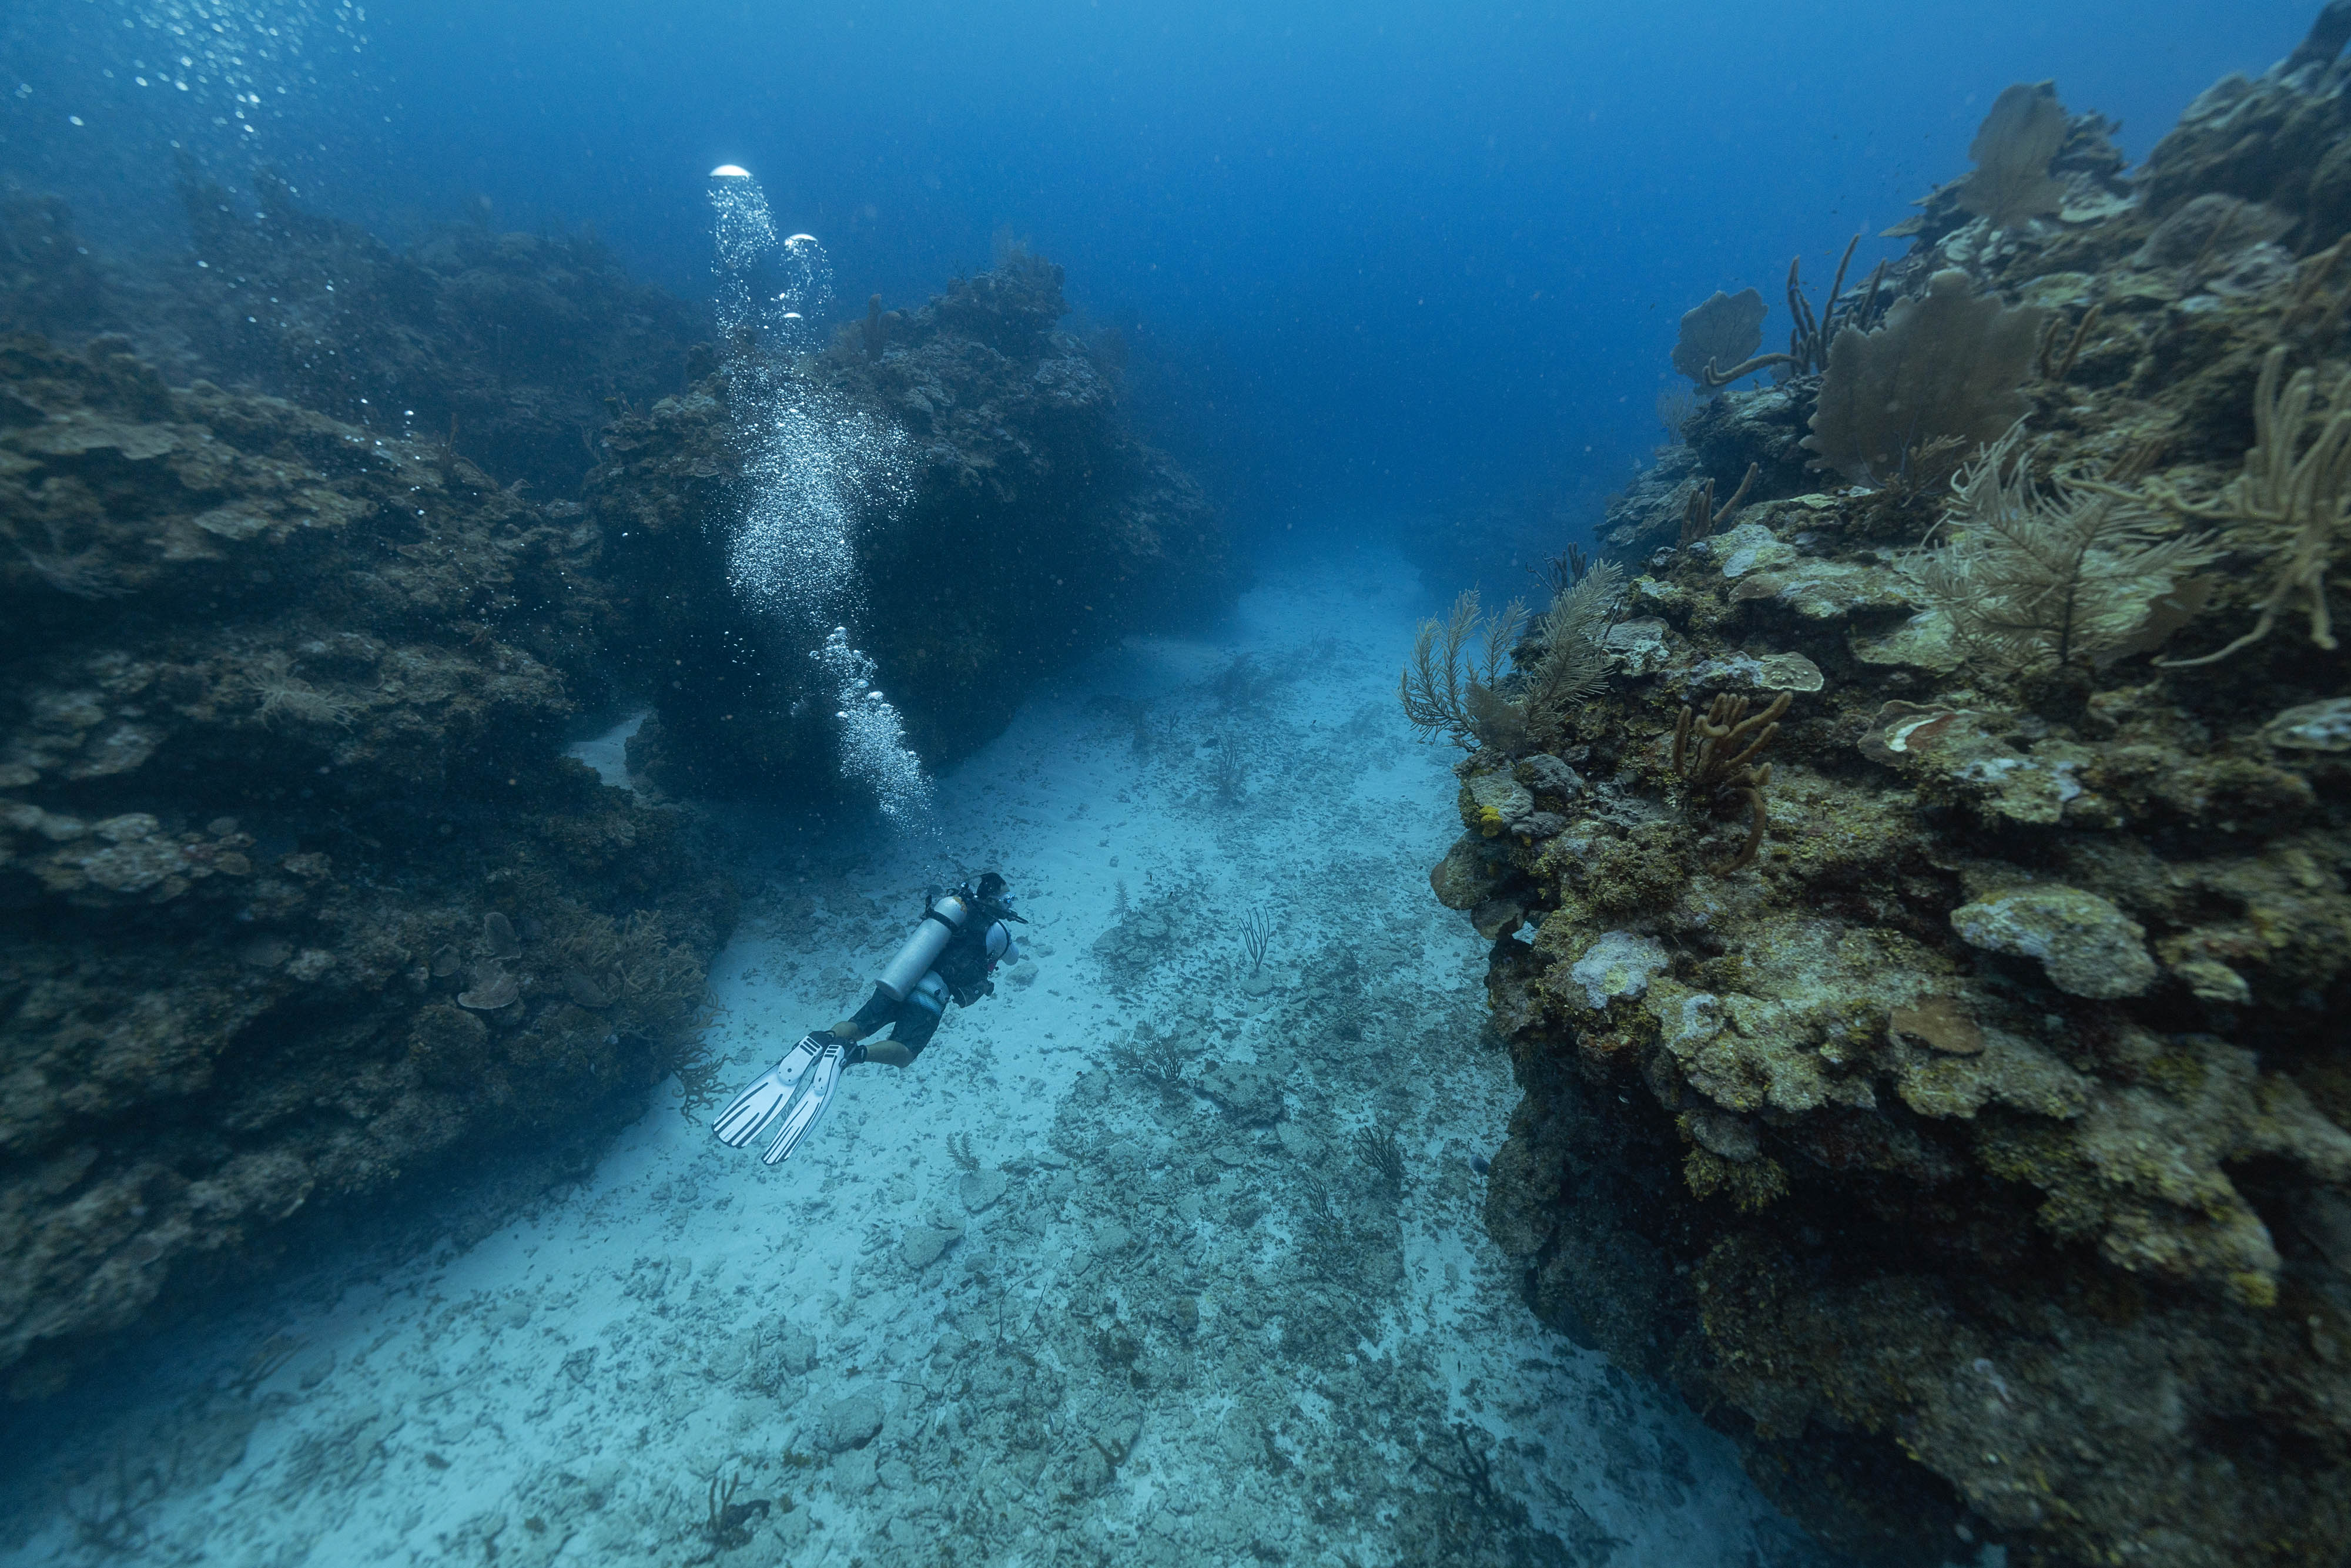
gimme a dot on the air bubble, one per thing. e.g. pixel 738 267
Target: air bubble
pixel 818 468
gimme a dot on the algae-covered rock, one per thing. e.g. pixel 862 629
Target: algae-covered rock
pixel 1788 672
pixel 2085 944
pixel 1246 1089
pixel 923 1245
pixel 980 1189
pixel 1467 875
pixel 852 1422
pixel 2313 726
pixel 1641 646
pixel 1617 966
pixel 1960 755
pixel 1824 590
pixel 1925 641
pixel 1770 673
pixel 1750 547
pixel 1547 775
pixel 1498 797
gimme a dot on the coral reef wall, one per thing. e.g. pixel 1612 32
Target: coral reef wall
pixel 298 895
pixel 1040 527
pixel 1929 1004
pixel 511 350
pixel 516 348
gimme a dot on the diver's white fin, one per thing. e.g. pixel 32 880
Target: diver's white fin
pixel 809 1106
pixel 758 1107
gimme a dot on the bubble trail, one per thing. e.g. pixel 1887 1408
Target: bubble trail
pixel 814 469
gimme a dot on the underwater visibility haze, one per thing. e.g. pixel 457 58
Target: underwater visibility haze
pixel 1065 784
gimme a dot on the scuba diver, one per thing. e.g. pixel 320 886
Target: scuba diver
pixel 963 935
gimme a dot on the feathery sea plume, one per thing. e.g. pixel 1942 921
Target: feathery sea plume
pixel 2034 580
pixel 1573 634
pixel 1461 684
pixel 2293 506
pixel 1452 687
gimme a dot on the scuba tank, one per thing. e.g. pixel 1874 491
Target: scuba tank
pixel 945 917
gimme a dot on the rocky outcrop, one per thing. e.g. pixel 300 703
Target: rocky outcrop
pixel 299 898
pixel 1040 527
pixel 1974 1152
pixel 510 350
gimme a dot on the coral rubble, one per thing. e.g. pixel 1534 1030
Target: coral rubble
pixel 1960 1124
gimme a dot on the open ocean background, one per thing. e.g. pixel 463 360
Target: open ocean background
pixel 1371 258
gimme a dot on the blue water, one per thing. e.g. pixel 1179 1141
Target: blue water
pixel 1385 255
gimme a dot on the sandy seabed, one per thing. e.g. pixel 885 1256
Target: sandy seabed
pixel 1154 1257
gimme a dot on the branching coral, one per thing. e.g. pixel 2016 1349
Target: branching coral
pixel 1378 1149
pixel 655 983
pixel 1715 756
pixel 1702 517
pixel 2054 364
pixel 1450 691
pixel 1229 768
pixel 1809 340
pixel 1158 1061
pixel 2032 581
pixel 2211 227
pixel 2294 510
pixel 697 1070
pixel 727 1524
pixel 2310 302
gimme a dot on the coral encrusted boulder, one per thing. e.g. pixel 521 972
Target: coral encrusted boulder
pixel 1931 1010
pixel 299 898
